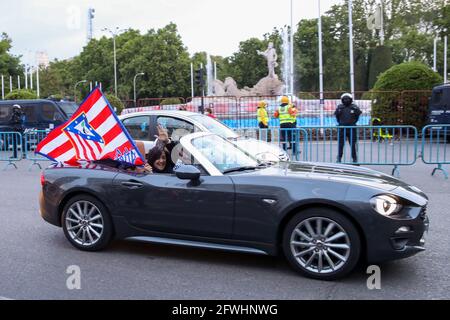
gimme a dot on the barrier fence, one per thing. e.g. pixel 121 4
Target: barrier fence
pixel 364 145
pixel 436 147
pixel 32 138
pixel 361 145
pixel 11 146
pixel 226 109
pixel 373 145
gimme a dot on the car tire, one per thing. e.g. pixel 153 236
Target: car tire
pixel 329 254
pixel 86 223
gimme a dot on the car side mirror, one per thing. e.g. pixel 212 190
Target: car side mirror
pixel 187 172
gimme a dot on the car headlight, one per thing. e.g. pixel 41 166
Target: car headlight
pixel 386 205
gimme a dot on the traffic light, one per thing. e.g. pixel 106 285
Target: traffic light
pixel 199 80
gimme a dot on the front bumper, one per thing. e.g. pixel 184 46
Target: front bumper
pixel 398 239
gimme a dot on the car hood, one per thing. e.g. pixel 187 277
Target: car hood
pixel 346 174
pixel 261 149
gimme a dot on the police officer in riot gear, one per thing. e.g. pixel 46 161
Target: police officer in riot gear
pixel 347 115
pixel 17 123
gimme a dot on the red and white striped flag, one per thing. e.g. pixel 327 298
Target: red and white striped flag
pixel 93 133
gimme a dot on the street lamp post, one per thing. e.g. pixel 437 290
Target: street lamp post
pixel 134 86
pixel 322 101
pixel 445 60
pixel 114 34
pixel 291 51
pixel 350 27
pixel 38 88
pixel 75 89
pixel 435 54
pixel 26 77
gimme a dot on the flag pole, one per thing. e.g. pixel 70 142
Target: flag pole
pixel 192 79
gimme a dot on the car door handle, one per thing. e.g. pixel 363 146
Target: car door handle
pixel 132 184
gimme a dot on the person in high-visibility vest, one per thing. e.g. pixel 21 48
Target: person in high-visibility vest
pixel 263 121
pixel 262 115
pixel 287 121
pixel 294 114
pixel 379 134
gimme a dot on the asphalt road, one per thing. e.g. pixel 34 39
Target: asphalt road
pixel 34 257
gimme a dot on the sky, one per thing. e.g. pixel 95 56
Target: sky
pixel 59 27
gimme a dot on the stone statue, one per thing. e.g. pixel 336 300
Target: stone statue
pixel 271 55
pixel 269 85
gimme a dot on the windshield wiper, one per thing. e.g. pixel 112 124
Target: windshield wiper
pixel 237 169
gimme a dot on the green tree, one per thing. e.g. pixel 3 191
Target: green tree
pixel 410 27
pixel 115 103
pixel 21 95
pixel 380 60
pixel 58 79
pixel 9 64
pixel 410 107
pixel 246 66
pixel 161 55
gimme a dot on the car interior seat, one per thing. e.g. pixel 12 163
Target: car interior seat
pixel 141 148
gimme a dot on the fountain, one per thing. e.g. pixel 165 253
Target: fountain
pixel 209 76
pixel 286 67
pixel 267 86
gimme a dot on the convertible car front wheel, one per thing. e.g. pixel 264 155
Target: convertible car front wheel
pixel 86 223
pixel 322 244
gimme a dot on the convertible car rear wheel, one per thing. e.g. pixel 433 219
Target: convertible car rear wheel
pixel 321 244
pixel 86 223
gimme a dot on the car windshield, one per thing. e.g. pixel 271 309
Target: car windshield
pixel 69 108
pixel 215 126
pixel 224 155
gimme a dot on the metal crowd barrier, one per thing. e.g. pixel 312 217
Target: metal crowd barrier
pixel 32 139
pixel 374 145
pixel 11 148
pixel 436 147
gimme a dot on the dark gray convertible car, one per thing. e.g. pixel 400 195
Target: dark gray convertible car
pixel 324 218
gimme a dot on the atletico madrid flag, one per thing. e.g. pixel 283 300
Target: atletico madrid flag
pixel 93 133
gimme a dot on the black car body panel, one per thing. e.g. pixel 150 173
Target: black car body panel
pixel 439 106
pixel 164 203
pixel 248 208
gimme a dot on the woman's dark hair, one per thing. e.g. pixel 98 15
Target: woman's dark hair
pixel 156 153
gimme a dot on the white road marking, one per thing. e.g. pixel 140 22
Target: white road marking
pixel 4 298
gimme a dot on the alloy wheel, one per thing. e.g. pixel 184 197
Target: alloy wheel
pixel 84 223
pixel 320 245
